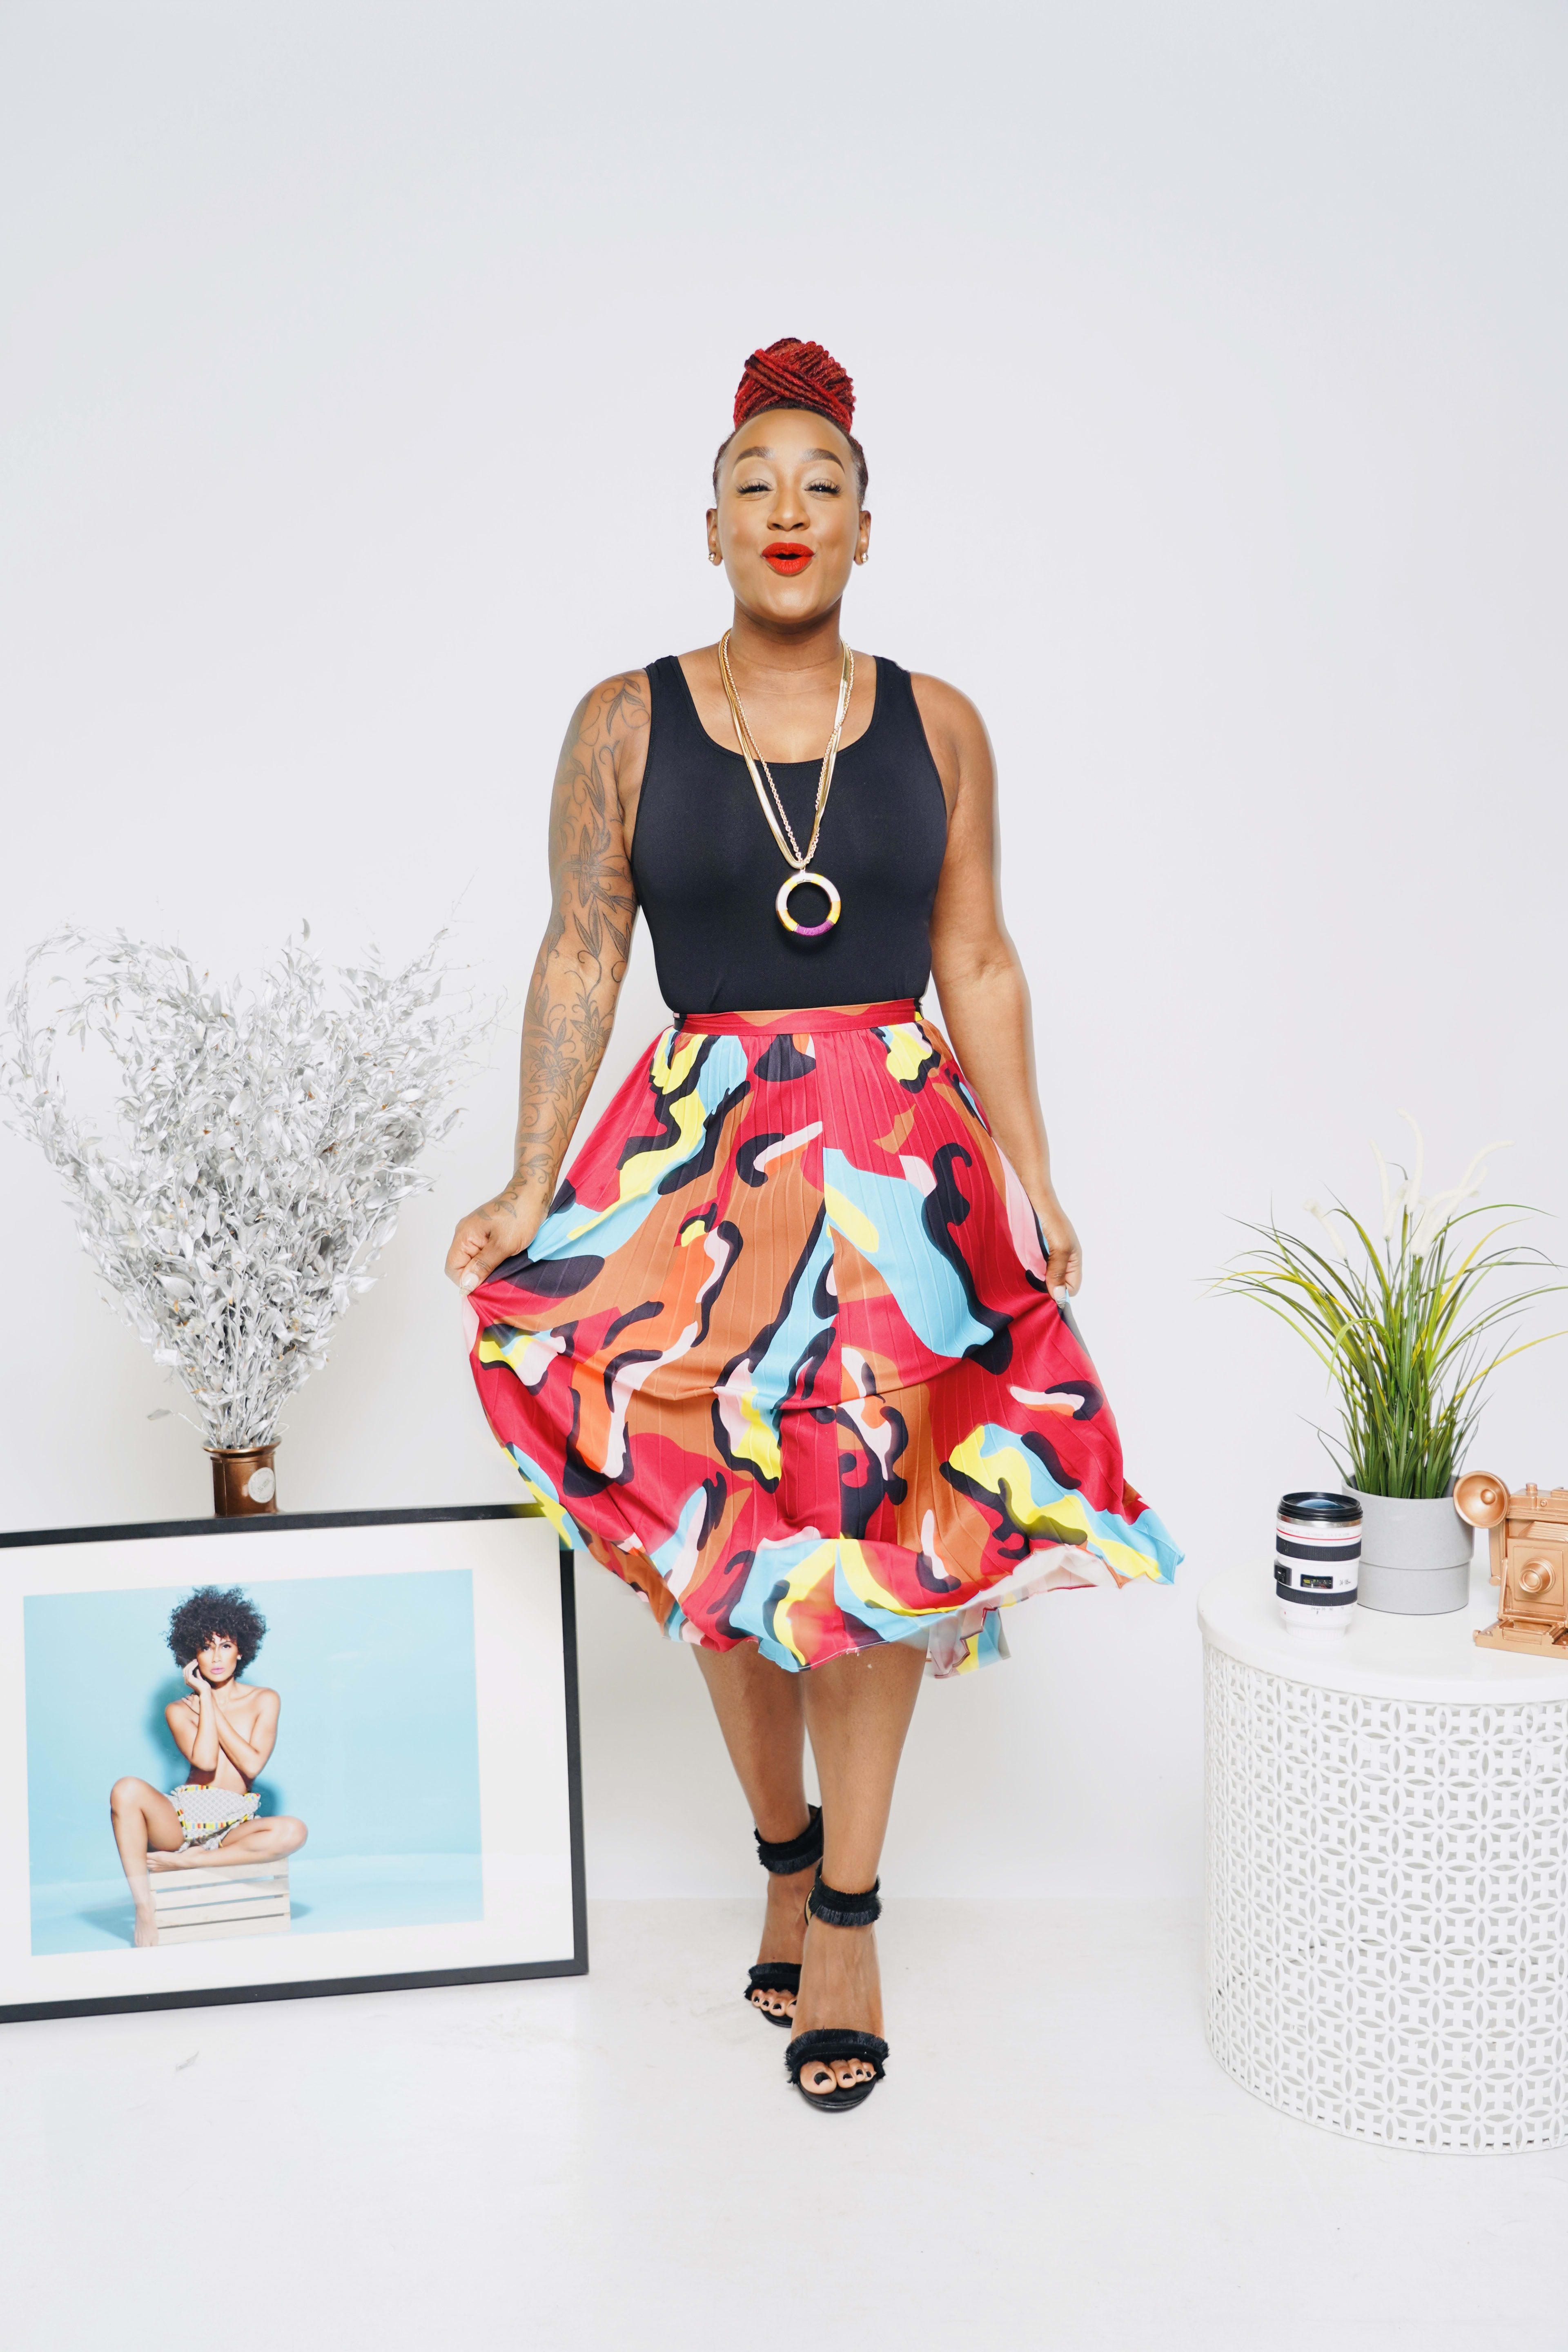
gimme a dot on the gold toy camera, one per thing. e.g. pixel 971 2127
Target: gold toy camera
pixel 1530 1561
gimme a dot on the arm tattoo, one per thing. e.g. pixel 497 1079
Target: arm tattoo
pixel 583 957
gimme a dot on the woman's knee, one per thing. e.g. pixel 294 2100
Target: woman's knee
pixel 126 1796
pixel 292 1833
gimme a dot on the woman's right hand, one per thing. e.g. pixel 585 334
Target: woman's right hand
pixel 486 1238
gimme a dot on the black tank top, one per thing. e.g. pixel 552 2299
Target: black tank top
pixel 707 868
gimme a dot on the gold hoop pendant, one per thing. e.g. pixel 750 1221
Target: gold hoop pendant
pixel 806 930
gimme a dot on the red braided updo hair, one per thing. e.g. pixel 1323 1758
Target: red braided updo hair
pixel 791 374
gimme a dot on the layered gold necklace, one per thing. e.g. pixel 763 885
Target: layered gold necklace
pixel 778 824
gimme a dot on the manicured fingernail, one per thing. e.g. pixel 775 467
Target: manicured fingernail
pixel 468 1282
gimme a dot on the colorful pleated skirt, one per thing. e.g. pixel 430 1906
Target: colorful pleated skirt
pixel 784 1354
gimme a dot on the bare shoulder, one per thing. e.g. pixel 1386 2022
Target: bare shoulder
pixel 955 731
pixel 948 712
pixel 259 1693
pixel 614 709
pixel 605 750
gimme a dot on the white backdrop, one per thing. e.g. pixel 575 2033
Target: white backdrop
pixel 365 364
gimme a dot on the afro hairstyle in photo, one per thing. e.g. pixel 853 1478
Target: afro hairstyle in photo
pixel 212 1611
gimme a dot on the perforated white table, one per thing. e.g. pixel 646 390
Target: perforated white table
pixel 1388 1872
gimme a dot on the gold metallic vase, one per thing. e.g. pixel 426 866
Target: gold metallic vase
pixel 244 1481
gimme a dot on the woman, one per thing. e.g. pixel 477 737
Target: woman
pixel 783 1350
pixel 226 1729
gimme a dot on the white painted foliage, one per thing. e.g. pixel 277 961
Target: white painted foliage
pixel 264 1139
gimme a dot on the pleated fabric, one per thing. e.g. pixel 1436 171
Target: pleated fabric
pixel 784 1354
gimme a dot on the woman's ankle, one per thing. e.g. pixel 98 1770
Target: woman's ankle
pixel 793 1850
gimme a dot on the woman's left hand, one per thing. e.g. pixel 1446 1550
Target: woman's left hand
pixel 1065 1269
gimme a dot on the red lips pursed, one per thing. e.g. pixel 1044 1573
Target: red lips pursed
pixel 788 557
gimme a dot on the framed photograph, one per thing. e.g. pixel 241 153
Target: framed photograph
pixel 250 1759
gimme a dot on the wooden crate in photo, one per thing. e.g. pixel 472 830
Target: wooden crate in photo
pixel 194 1907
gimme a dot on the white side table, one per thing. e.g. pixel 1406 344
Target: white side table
pixel 1388 1872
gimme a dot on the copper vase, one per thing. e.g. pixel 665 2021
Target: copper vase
pixel 244 1480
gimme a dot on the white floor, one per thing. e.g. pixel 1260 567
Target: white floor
pixel 1054 2161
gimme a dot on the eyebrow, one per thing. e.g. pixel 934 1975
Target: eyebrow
pixel 811 456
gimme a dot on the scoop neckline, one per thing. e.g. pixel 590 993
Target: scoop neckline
pixel 729 749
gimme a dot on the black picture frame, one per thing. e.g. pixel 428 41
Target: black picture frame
pixel 258 1527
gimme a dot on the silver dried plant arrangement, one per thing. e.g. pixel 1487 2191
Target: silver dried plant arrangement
pixel 265 1139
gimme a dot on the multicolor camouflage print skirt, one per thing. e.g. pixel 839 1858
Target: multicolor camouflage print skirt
pixel 783 1353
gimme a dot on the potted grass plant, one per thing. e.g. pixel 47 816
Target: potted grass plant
pixel 1411 1322
pixel 259 1144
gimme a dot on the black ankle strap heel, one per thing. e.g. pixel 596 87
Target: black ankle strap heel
pixel 808 2051
pixel 787 1855
pixel 782 1857
pixel 836 1910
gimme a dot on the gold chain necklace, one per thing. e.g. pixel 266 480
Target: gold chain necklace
pixel 770 800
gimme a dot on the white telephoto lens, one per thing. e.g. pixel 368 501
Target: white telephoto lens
pixel 1317 1561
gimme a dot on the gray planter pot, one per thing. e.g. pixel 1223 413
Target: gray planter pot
pixel 1415 1555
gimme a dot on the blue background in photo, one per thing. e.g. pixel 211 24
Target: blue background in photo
pixel 377 1745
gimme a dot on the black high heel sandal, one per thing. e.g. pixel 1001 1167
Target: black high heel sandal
pixel 832 2041
pixel 782 1858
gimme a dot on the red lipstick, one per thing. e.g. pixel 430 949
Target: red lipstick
pixel 788 557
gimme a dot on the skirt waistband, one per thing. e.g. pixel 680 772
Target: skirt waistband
pixel 806 1020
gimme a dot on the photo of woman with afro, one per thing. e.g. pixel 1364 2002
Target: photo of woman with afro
pixel 226 1729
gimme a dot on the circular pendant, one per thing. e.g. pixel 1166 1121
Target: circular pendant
pixel 806 930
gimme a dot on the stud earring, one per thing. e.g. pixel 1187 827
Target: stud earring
pixel 714 557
